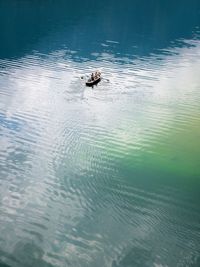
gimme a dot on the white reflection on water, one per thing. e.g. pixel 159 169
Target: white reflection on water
pixel 55 132
pixel 48 95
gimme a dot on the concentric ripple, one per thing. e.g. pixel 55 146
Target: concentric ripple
pixel 102 176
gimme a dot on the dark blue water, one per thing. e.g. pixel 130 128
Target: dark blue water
pixel 139 27
pixel 103 176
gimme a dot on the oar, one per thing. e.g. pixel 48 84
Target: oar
pixel 86 75
pixel 105 79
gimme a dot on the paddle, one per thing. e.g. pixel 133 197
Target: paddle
pixel 82 77
pixel 105 79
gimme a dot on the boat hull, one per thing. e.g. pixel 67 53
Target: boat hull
pixel 91 83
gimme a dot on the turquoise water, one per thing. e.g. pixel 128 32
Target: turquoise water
pixel 104 176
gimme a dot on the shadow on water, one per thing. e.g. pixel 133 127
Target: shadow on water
pixel 134 28
pixel 4 265
pixel 25 254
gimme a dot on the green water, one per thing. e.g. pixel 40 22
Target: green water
pixel 103 176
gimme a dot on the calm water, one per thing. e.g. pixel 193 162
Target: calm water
pixel 108 176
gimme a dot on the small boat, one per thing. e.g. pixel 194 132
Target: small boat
pixel 91 82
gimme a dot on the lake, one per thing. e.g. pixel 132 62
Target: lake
pixel 103 176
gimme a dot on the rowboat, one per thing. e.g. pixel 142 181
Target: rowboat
pixel 91 82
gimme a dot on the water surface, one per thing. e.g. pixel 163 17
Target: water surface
pixel 103 176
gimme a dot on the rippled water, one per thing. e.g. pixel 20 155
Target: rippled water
pixel 103 176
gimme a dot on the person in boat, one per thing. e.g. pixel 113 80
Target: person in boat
pixel 97 74
pixel 92 77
